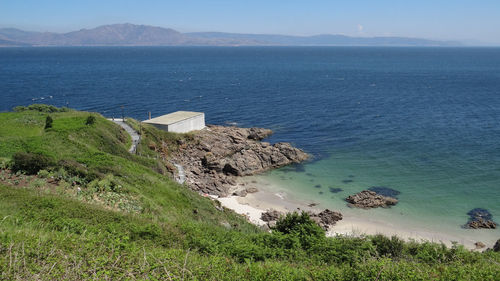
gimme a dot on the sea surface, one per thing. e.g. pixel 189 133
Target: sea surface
pixel 422 121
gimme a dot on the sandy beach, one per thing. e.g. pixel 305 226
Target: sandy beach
pixel 271 197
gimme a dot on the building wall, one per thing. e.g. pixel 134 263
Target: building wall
pixel 191 124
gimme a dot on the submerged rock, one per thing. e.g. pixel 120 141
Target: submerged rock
pixel 335 189
pixel 385 191
pixel 347 181
pixel 369 199
pixel 480 213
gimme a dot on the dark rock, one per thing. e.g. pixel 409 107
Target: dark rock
pixel 258 133
pixel 385 191
pixel 326 218
pixel 481 223
pixel 347 181
pixel 321 192
pixel 335 189
pixel 313 204
pixel 318 186
pixel 496 247
pixel 271 215
pixel 479 245
pixel 369 199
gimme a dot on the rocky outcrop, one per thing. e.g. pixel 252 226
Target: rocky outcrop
pixel 324 219
pixel 481 223
pixel 367 199
pixel 219 154
pixel 271 215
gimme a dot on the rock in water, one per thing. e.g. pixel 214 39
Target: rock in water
pixel 369 199
pixel 480 218
pixel 481 223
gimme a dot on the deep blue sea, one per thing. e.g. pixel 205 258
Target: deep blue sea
pixel 423 121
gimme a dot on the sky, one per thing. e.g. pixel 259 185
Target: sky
pixel 466 20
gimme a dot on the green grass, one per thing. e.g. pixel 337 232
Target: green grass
pixel 129 220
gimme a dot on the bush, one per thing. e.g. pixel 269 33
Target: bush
pixel 90 120
pixel 390 247
pixel 48 122
pixel 301 226
pixel 30 163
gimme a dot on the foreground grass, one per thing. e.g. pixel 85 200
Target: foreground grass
pixel 111 215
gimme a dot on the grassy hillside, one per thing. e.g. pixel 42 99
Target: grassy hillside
pixel 94 211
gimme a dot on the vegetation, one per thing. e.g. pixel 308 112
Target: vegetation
pixel 74 205
pixel 48 122
pixel 90 120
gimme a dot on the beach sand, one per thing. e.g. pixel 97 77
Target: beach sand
pixel 271 197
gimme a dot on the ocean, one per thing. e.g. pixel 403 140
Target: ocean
pixel 422 121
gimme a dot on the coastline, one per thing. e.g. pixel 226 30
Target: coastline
pixel 272 197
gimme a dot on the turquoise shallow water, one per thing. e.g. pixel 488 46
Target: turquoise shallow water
pixel 434 197
pixel 423 121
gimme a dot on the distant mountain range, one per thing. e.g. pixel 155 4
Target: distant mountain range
pixel 143 35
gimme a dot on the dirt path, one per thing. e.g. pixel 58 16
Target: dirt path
pixel 133 133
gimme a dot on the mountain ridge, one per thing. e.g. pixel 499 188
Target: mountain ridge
pixel 145 35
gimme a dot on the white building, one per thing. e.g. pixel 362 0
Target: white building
pixel 179 122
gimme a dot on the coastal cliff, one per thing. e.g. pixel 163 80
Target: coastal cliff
pixel 219 154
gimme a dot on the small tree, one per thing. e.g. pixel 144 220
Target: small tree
pixel 90 120
pixel 48 122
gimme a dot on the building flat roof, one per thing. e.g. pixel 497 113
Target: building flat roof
pixel 172 118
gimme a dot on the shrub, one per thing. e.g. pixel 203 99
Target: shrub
pixel 43 174
pixel 90 120
pixel 30 163
pixel 300 225
pixel 391 247
pixel 48 122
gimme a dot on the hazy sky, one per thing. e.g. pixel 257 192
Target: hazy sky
pixel 434 19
